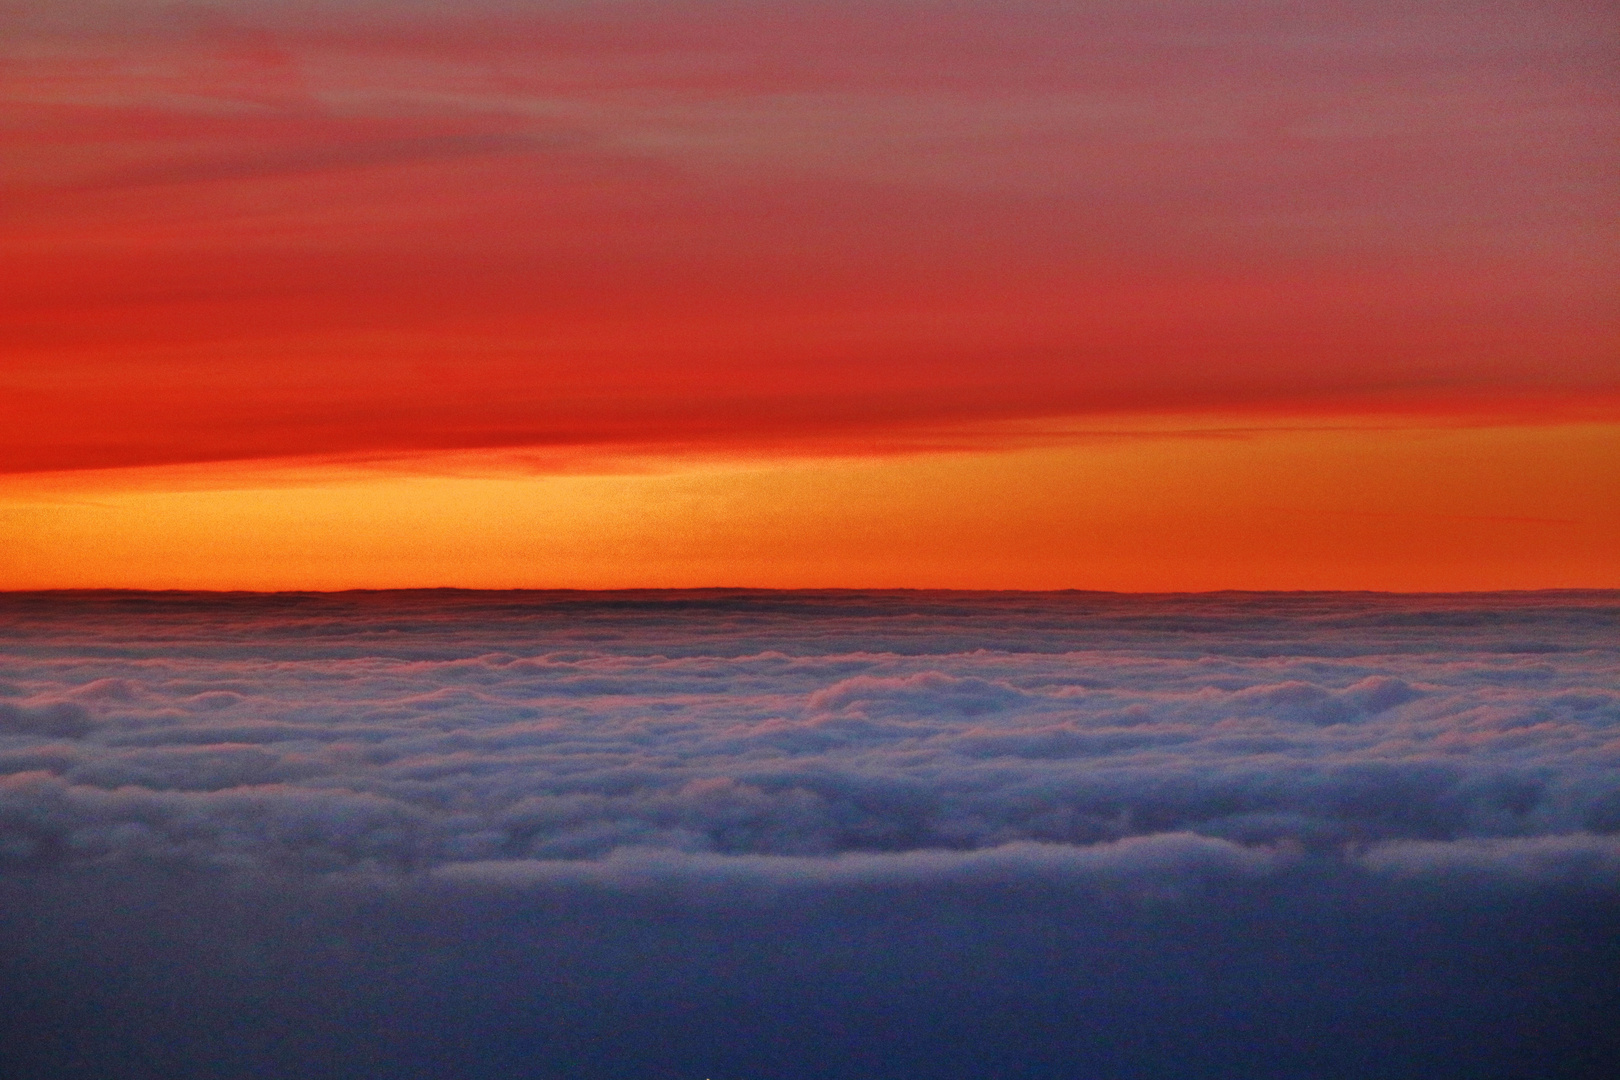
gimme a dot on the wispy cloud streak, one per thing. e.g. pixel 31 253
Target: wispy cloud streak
pixel 388 229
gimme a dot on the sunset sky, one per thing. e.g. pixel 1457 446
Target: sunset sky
pixel 1144 295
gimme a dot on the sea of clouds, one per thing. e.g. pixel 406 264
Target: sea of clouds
pixel 441 732
pixel 1326 772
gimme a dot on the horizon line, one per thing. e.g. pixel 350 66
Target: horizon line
pixel 734 589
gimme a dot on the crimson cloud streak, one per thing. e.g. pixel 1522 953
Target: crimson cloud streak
pixel 254 229
pixel 824 834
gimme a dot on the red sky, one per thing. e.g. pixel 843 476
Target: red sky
pixel 790 259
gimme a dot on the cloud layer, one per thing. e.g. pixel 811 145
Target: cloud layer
pixel 404 733
pixel 808 835
pixel 397 229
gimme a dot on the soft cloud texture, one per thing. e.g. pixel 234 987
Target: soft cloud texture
pixel 398 733
pixel 387 229
pixel 809 834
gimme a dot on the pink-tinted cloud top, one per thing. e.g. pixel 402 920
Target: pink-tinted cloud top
pixel 397 732
pixel 808 835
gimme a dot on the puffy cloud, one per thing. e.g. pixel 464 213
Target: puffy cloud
pixel 410 731
pixel 62 718
pixel 930 693
pixel 808 835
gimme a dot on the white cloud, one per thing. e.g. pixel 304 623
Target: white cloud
pixel 420 730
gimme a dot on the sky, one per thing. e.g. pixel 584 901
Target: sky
pixel 1149 295
pixel 809 835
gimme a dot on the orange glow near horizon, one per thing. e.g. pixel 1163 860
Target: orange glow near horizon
pixel 1416 510
pixel 1148 295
